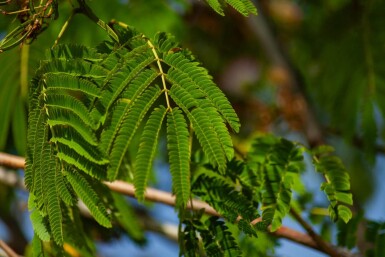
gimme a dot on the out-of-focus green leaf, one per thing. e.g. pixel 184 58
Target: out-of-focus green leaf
pixel 9 88
pixel 19 126
pixel 340 57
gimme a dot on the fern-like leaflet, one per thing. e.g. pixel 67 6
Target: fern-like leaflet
pixel 245 7
pixel 147 150
pixel 274 162
pixel 216 239
pixel 225 197
pixel 179 154
pixel 337 185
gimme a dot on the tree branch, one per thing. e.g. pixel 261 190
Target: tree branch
pixel 322 244
pixel 156 195
pixel 8 250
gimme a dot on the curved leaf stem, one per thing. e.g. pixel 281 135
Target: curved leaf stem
pixel 24 65
pixel 64 27
pixel 86 10
pixel 161 73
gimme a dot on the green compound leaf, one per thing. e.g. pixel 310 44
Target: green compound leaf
pixel 337 185
pixel 90 198
pixel 147 150
pixel 179 155
pixel 85 109
pixel 274 162
pixel 244 7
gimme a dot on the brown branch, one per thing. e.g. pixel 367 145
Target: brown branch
pixel 12 161
pixel 8 250
pixel 327 248
pixel 156 195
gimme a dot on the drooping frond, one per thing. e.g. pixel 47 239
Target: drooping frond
pixel 73 67
pixel 179 155
pixel 69 158
pixel 374 235
pixel 224 198
pixel 139 63
pixel 39 226
pixel 36 138
pixel 337 185
pixel 207 137
pixel 90 198
pixel 126 217
pixel 191 76
pixel 141 82
pixel 275 162
pixel 72 51
pixel 189 242
pixel 70 104
pixel 133 117
pixel 83 150
pixel 65 190
pixel 64 118
pixel 244 7
pixel 54 211
pixel 67 83
pixel 74 233
pixel 276 196
pixel 220 129
pixel 131 64
pixel 250 230
pixel 202 125
pixel 216 5
pixel 42 172
pixel 86 106
pixel 347 232
pixel 147 150
pixel 37 246
pixel 216 239
pixel 118 113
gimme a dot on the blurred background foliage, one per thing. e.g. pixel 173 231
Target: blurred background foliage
pixel 312 71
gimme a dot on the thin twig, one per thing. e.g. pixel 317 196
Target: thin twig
pixel 87 11
pixel 156 195
pixel 320 242
pixel 8 250
pixel 64 27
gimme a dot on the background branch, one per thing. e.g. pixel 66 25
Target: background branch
pixel 320 242
pixel 8 250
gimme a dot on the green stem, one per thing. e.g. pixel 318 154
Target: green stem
pixel 24 64
pixel 161 73
pixel 64 28
pixel 86 10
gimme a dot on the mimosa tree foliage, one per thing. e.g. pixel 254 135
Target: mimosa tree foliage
pixel 88 106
